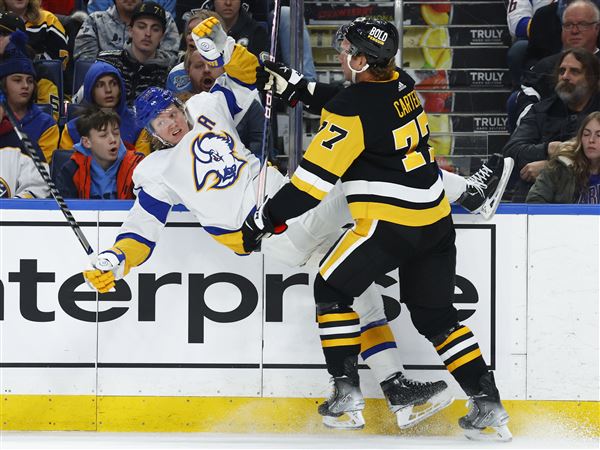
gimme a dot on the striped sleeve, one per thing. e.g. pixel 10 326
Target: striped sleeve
pixel 142 227
pixel 242 66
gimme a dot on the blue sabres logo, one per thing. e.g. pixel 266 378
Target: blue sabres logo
pixel 216 164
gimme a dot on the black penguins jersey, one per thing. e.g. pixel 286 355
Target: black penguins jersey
pixel 374 137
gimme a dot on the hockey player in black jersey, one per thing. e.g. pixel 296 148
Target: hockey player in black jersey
pixel 374 138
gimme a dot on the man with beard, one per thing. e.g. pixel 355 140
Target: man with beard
pixel 580 29
pixel 555 119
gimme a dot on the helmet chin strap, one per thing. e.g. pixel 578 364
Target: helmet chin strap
pixel 354 71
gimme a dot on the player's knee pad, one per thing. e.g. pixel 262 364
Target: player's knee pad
pixel 326 293
pixel 433 322
pixel 439 338
pixel 333 308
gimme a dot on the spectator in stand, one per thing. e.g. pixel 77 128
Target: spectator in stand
pixel 103 5
pixel 518 17
pixel 241 26
pixel 104 88
pixel 545 31
pixel 62 7
pixel 573 174
pixel 178 80
pixel 100 167
pixel 555 119
pixel 141 63
pixel 109 30
pixel 581 28
pixel 18 176
pixel 46 34
pixel 9 23
pixel 308 64
pixel 17 80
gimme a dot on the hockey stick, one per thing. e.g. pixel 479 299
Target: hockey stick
pixel 39 165
pixel 262 176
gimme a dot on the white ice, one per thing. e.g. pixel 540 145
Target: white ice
pixel 342 440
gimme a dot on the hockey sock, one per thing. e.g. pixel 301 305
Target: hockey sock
pixel 461 354
pixel 340 338
pixel 454 185
pixel 379 350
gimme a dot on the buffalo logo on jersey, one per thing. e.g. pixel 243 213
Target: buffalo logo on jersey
pixel 215 160
pixel 4 189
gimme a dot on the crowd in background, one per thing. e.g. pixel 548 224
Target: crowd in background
pixel 71 70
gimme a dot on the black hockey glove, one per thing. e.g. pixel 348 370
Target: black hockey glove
pixel 290 85
pixel 257 226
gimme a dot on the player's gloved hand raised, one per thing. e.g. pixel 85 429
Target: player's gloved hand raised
pixel 212 42
pixel 109 267
pixel 257 226
pixel 289 84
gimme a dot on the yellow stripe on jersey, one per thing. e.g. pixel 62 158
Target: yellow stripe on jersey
pixel 360 230
pixel 399 215
pixel 456 334
pixel 242 65
pixel 338 317
pixel 232 240
pixel 135 252
pixel 375 336
pixel 66 142
pixel 340 342
pixel 48 141
pixel 464 360
pixel 337 144
pixel 310 189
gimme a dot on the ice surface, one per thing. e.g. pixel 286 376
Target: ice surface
pixel 343 440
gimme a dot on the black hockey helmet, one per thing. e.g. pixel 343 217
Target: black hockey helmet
pixel 377 39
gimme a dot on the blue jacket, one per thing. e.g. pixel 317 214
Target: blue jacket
pixel 130 131
pixel 42 131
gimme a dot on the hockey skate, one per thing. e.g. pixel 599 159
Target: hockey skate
pixel 413 401
pixel 346 400
pixel 487 419
pixel 486 186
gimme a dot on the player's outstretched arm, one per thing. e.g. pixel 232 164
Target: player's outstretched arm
pixel 220 50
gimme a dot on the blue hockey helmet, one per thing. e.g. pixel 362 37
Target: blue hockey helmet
pixel 150 104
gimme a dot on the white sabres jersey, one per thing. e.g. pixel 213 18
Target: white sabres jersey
pixel 209 171
pixel 19 177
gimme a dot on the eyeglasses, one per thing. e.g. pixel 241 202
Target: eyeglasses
pixel 581 26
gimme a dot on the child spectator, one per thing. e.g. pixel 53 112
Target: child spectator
pixel 18 175
pixel 46 34
pixel 573 174
pixel 100 167
pixel 17 79
pixel 104 88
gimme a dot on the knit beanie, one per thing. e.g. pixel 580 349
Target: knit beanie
pixel 15 58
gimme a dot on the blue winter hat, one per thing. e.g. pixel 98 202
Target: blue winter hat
pixel 15 59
